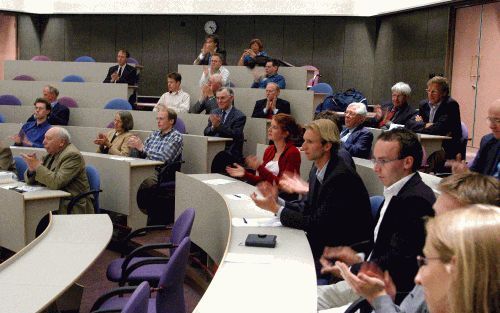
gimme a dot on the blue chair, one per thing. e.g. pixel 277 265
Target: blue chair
pixel 24 77
pixel 21 167
pixel 95 189
pixel 322 88
pixel 118 104
pixel 40 58
pixel 132 60
pixel 73 79
pixel 375 203
pixel 136 303
pixel 9 100
pixel 2 119
pixel 85 58
pixel 180 126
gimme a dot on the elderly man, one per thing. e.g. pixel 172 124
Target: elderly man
pixel 215 68
pixel 399 233
pixel 272 76
pixel 355 137
pixel 272 105
pixel 396 112
pixel 62 168
pixel 176 98
pixel 32 133
pixel 59 114
pixel 440 115
pixel 122 73
pixel 207 101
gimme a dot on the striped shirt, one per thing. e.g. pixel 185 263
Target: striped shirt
pixel 163 147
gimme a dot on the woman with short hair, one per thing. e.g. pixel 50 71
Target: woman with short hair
pixel 115 141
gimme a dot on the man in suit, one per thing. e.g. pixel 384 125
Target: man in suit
pixel 207 101
pixel 355 137
pixel 122 73
pixel 398 111
pixel 440 115
pixel 330 213
pixel 59 114
pixel 272 105
pixel 228 122
pixel 399 234
pixel 62 168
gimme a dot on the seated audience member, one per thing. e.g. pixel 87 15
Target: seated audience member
pixel 487 160
pixel 116 141
pixel 399 232
pixel 63 168
pixel 165 145
pixel 272 105
pixel 440 115
pixel 328 213
pixel 59 114
pixel 271 76
pixel 248 57
pixel 456 191
pixel 210 47
pixel 355 137
pixel 228 122
pixel 342 152
pixel 207 101
pixel 122 73
pixel 175 98
pixel 396 112
pixel 279 158
pixel 32 133
pixel 6 160
pixel 215 68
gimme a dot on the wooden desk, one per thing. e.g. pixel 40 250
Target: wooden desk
pixel 259 287
pixel 21 212
pixel 38 274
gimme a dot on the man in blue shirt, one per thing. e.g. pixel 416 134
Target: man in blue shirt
pixel 272 75
pixel 32 133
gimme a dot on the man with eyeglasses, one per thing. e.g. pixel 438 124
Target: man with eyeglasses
pixel 399 233
pixel 271 76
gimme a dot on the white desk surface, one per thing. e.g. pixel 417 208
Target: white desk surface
pixel 43 270
pixel 282 279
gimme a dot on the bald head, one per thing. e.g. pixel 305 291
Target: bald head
pixel 494 118
pixel 56 139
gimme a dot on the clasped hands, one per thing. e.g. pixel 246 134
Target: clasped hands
pixel 102 140
pixel 136 143
pixel 31 160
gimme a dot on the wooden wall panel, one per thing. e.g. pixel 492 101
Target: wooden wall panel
pixel 237 41
pixel 155 54
pixel 28 40
pixel 298 40
pixel 77 37
pixel 103 38
pixel 52 39
pixel 270 30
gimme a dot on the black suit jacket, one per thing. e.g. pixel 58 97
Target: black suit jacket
pixel 446 123
pixel 402 116
pixel 232 128
pixel 488 156
pixel 59 115
pixel 401 235
pixel 283 106
pixel 335 213
pixel 129 75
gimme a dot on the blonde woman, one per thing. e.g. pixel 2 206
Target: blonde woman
pixel 115 141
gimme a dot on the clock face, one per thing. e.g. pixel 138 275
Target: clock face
pixel 210 27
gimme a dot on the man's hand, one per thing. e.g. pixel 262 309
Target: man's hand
pixel 378 112
pixel 332 254
pixel 31 160
pixel 236 171
pixel 458 165
pixel 418 118
pixel 215 119
pixel 427 125
pixel 205 91
pixel 136 143
pixel 252 162
pixel 115 77
pixel 269 197
pixel 271 104
pixel 292 183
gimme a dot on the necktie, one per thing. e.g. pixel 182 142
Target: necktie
pixel 432 113
pixel 223 117
pixel 120 71
pixel 388 117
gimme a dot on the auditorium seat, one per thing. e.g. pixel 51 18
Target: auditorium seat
pixel 180 126
pixel 21 167
pixel 40 58
pixel 132 60
pixel 24 77
pixel 95 189
pixel 85 58
pixel 9 100
pixel 118 104
pixel 73 79
pixel 2 119
pixel 322 88
pixel 136 303
pixel 68 102
pixel 375 202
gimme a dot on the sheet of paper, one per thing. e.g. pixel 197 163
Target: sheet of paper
pixel 218 181
pixel 232 257
pixel 256 222
pixel 119 158
pixel 27 188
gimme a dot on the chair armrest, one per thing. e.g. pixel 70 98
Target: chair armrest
pixel 133 267
pixel 142 232
pixel 115 292
pixel 142 249
pixel 71 204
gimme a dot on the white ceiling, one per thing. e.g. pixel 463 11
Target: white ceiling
pixel 225 7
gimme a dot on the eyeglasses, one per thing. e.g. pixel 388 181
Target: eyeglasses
pixel 493 120
pixel 432 92
pixel 421 260
pixel 382 162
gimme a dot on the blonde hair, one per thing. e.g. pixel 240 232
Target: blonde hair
pixel 471 188
pixel 470 238
pixel 327 130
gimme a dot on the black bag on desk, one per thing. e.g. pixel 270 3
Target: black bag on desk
pixel 260 240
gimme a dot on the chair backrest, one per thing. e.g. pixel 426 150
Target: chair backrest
pixel 138 301
pixel 170 297
pixel 68 102
pixel 180 126
pixel 322 88
pixel 40 58
pixel 118 104
pixel 73 79
pixel 182 226
pixel 85 58
pixel 375 202
pixel 21 167
pixel 95 184
pixel 132 60
pixel 2 119
pixel 24 77
pixel 9 100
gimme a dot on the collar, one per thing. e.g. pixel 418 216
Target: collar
pixel 320 174
pixel 395 188
pixel 227 110
pixel 164 134
pixel 52 104
pixel 175 92
pixel 269 76
pixel 46 122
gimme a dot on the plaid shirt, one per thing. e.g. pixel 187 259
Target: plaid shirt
pixel 163 147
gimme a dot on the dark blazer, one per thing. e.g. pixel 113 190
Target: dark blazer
pixel 359 143
pixel 402 116
pixel 446 123
pixel 129 75
pixel 206 58
pixel 59 115
pixel 283 106
pixel 401 235
pixel 232 128
pixel 330 214
pixel 488 156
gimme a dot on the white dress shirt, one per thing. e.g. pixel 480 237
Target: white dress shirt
pixel 224 72
pixel 179 101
